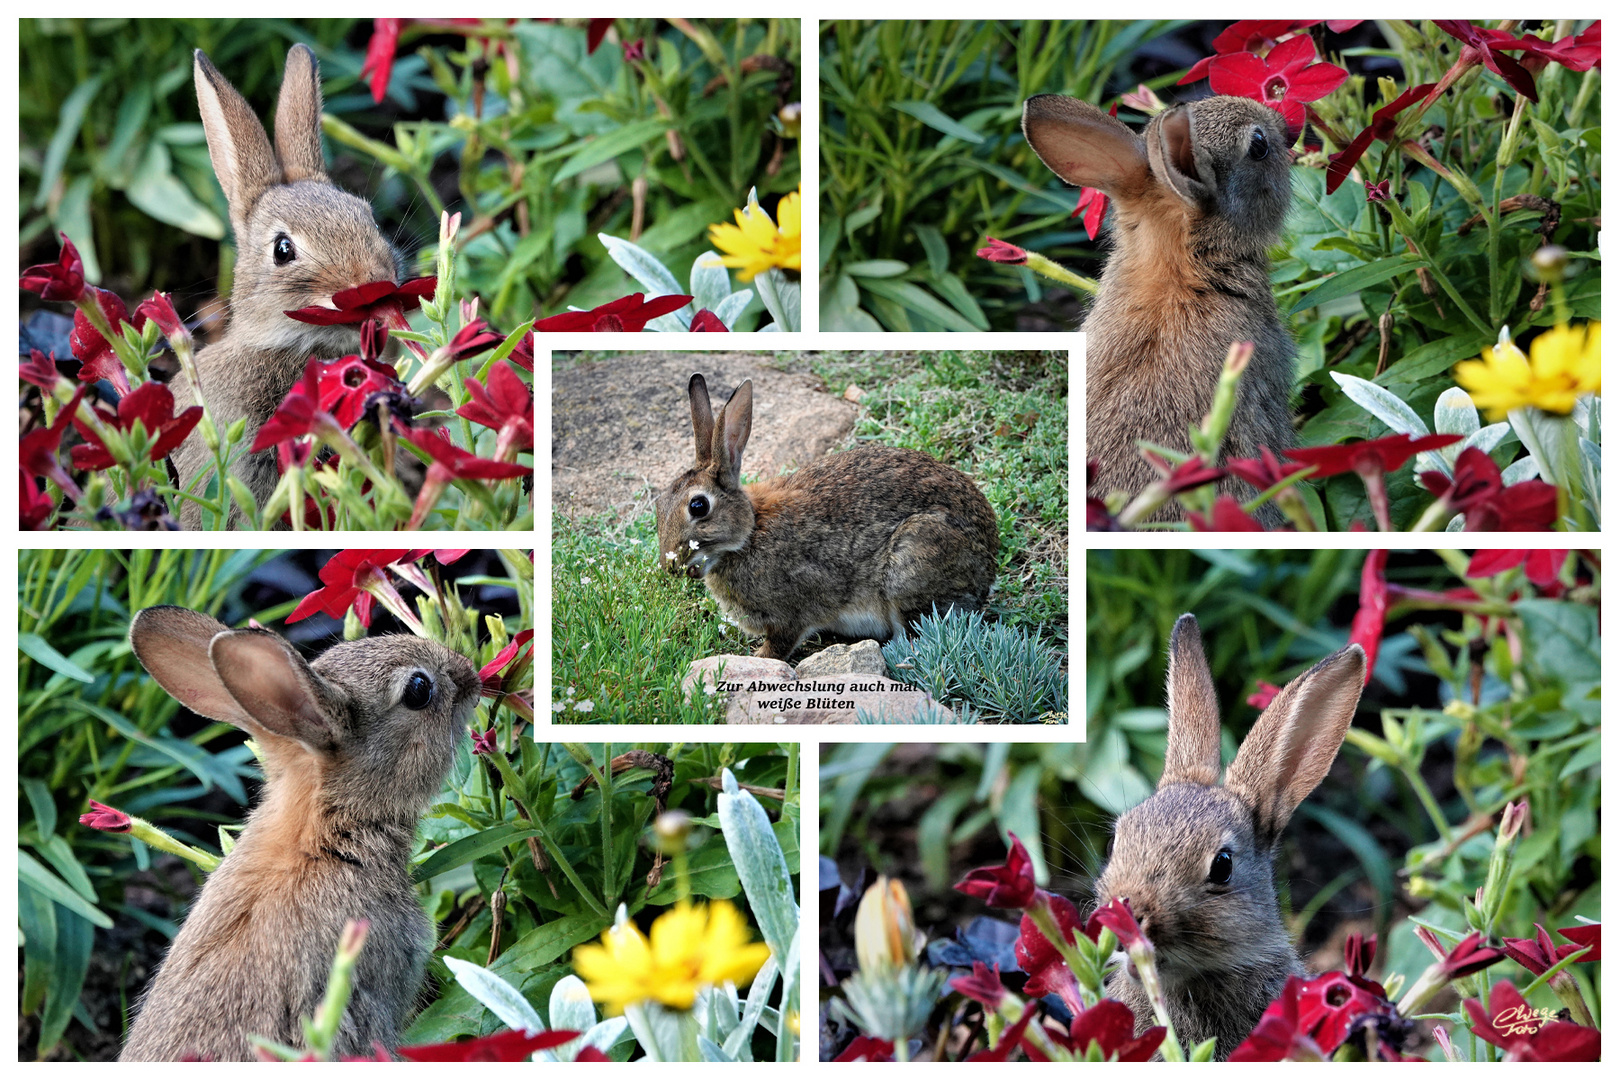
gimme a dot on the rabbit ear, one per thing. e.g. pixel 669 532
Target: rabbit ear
pixel 697 391
pixel 172 644
pixel 1193 754
pixel 237 144
pixel 736 421
pixel 1291 747
pixel 1085 146
pixel 298 118
pixel 275 686
pixel 1174 154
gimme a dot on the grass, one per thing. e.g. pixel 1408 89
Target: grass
pixel 623 633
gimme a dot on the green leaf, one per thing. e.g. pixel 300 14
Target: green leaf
pixel 934 835
pixel 154 188
pixel 499 996
pixel 31 873
pixel 44 806
pixel 877 268
pixel 1434 357
pixel 69 119
pixel 600 148
pixel 36 918
pixel 939 253
pixel 1562 640
pixel 760 864
pixel 548 942
pixel 201 764
pixel 1353 281
pixel 73 940
pixel 932 116
pixel 37 648
pixel 469 849
pixel 909 296
pixel 644 266
pixel 780 297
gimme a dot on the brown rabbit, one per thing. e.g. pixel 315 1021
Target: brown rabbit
pixel 299 239
pixel 1200 197
pixel 355 746
pixel 1195 859
pixel 860 543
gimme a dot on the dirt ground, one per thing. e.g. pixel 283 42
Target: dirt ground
pixel 621 427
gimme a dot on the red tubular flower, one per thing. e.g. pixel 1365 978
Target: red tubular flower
pixel 1263 693
pixel 1093 204
pixel 1580 52
pixel 1226 516
pixel 345 387
pixel 866 1048
pixel 474 338
pixel 523 353
pixel 1002 252
pixel 1586 935
pixel 1011 885
pixel 635 50
pixel 491 674
pixel 380 55
pixel 1118 917
pixel 1333 1005
pixel 1010 1038
pixel 1384 123
pixel 1359 950
pixel 37 506
pixel 1541 565
pixel 1487 50
pixel 1367 628
pixel 707 322
pixel 1264 472
pixel 447 463
pixel 105 818
pixel 1378 192
pixel 1384 455
pixel 1257 36
pixel 345 578
pixel 153 406
pixel 983 986
pixel 159 307
pixel 60 280
pixel 40 370
pixel 1279 1036
pixel 483 742
pixel 595 33
pixel 506 405
pixel 299 413
pixel 373 300
pixel 1475 490
pixel 1186 476
pixel 628 314
pixel 1539 953
pixel 1468 956
pixel 1039 958
pixel 93 350
pixel 502 1046
pixel 1112 1027
pixel 1286 80
pixel 1519 1030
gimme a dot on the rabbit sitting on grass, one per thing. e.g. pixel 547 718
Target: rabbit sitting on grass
pixel 1195 859
pixel 1199 197
pixel 355 746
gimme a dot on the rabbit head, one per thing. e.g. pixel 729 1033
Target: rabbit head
pixel 299 237
pixel 1195 859
pixel 354 746
pixel 704 512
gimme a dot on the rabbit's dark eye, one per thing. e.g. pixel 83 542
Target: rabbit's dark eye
pixel 699 506
pixel 1258 147
pixel 418 691
pixel 1108 849
pixel 1220 868
pixel 282 250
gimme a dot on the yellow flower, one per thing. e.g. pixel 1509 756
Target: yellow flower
pixel 756 243
pixel 1562 365
pixel 691 947
pixel 885 936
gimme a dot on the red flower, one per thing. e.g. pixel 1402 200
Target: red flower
pixel 373 300
pixel 1002 252
pixel 1279 1036
pixel 1258 36
pixel 1112 1027
pixel 483 742
pixel 442 556
pixel 866 1048
pixel 345 387
pixel 1333 1005
pixel 1587 935
pixel 1285 80
pixel 105 818
pixel 40 370
pixel 502 1046
pixel 1539 953
pixel 1378 192
pixel 60 280
pixel 1118 917
pixel 1468 956
pixel 506 405
pixel 344 580
pixel 1367 628
pixel 1541 565
pixel 523 353
pixel 1380 455
pixel 160 309
pixel 707 322
pixel 1263 693
pixel 1512 1025
pixel 38 450
pixel 490 675
pixel 1227 516
pixel 474 338
pixel 1488 50
pixel 1580 52
pixel 380 55
pixel 153 406
pixel 448 462
pixel 93 350
pixel 1359 950
pixel 1011 885
pixel 1185 476
pixel 595 33
pixel 635 50
pixel 1094 204
pixel 36 504
pixel 1264 472
pixel 298 414
pixel 1010 1038
pixel 1040 959
pixel 983 986
pixel 1382 128
pixel 628 314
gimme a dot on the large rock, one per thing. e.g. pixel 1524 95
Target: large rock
pixel 863 658
pixel 766 692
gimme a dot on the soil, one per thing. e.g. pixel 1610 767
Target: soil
pixel 621 427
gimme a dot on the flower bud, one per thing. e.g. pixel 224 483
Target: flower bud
pixel 885 937
pixel 671 830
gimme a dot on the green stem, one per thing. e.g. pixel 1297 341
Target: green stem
pixel 515 788
pixel 1409 231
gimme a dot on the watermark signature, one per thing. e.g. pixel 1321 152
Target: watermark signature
pixel 1522 1020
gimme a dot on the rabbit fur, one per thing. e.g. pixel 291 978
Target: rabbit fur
pixel 351 761
pixel 1222 952
pixel 299 240
pixel 859 543
pixel 1200 196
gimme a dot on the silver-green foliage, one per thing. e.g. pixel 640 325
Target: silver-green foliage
pixel 1004 673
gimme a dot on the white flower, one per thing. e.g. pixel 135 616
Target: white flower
pixel 558 706
pixel 584 706
pixel 570 691
pixel 584 581
pixel 669 555
pixel 692 544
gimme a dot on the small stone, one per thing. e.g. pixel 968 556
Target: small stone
pixel 854 393
pixel 863 657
